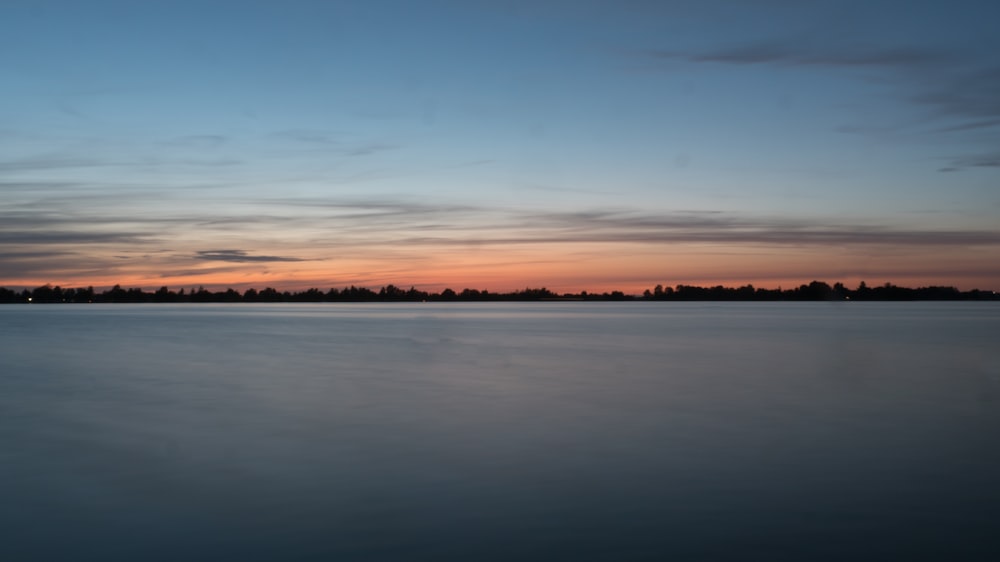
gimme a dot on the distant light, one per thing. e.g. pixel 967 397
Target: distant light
pixel 29 299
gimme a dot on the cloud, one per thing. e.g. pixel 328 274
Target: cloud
pixel 50 162
pixel 316 224
pixel 366 149
pixel 374 223
pixel 58 162
pixel 312 136
pixel 338 142
pixel 239 256
pixel 42 264
pixel 367 209
pixel 58 244
pixel 787 53
pixel 981 161
pixel 197 272
pixel 196 141
pixel 955 90
pixel 982 124
pixel 970 92
pixel 30 237
pixel 711 228
pixel 38 186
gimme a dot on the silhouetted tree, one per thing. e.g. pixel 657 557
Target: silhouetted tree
pixel 163 294
pixel 116 294
pixel 816 290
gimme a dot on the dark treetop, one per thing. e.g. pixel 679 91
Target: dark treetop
pixel 814 291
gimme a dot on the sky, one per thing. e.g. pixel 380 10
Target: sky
pixel 573 145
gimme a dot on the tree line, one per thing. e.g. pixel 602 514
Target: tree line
pixel 814 291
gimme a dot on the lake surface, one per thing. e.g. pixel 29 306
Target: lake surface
pixel 509 431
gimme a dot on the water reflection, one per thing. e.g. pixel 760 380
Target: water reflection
pixel 587 431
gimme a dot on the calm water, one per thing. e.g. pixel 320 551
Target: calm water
pixel 543 431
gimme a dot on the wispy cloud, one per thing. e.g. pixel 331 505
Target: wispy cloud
pixel 52 242
pixel 332 141
pixel 46 264
pixel 366 149
pixel 34 237
pixel 972 92
pixel 970 98
pixel 239 256
pixel 43 163
pixel 982 124
pixel 955 91
pixel 35 186
pixel 375 223
pixel 196 141
pixel 632 227
pixel 313 223
pixel 50 162
pixel 313 136
pixel 172 273
pixel 792 54
pixel 980 161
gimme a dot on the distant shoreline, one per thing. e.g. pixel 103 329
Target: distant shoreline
pixel 814 291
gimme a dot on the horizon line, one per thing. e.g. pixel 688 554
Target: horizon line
pixel 391 290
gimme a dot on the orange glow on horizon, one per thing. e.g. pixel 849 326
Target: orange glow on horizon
pixel 562 268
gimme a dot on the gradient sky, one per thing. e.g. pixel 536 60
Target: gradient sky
pixel 497 145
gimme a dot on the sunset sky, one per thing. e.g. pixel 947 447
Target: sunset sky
pixel 499 144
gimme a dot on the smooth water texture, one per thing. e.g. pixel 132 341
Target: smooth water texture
pixel 540 431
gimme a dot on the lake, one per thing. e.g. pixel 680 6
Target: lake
pixel 502 431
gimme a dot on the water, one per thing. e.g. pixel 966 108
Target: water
pixel 541 431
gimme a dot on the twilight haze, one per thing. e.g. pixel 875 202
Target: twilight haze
pixel 497 145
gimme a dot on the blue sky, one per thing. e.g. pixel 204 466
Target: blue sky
pixel 579 145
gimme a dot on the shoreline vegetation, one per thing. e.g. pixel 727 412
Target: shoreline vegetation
pixel 814 291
